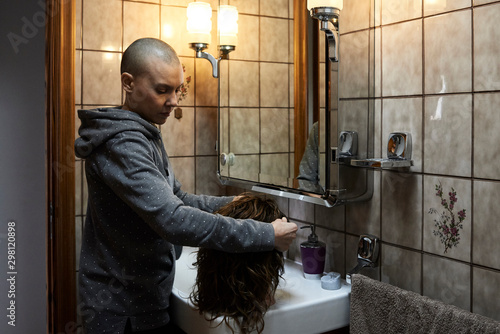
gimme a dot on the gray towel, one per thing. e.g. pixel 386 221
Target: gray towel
pixel 378 307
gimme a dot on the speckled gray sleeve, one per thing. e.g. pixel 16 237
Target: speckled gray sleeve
pixel 130 168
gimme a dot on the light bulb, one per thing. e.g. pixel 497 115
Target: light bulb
pixel 199 22
pixel 228 25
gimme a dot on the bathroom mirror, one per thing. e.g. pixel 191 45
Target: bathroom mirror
pixel 289 121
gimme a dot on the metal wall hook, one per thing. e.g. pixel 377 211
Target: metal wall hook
pixel 368 250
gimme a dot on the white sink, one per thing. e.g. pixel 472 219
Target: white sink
pixel 302 306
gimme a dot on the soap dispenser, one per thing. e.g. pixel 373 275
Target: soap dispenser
pixel 313 254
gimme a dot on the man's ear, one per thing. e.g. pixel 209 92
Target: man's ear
pixel 127 82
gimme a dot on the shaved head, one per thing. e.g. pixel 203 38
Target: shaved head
pixel 136 56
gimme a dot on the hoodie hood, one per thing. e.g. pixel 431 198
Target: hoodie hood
pixel 102 124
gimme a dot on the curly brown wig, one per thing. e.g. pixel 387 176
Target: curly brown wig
pixel 239 287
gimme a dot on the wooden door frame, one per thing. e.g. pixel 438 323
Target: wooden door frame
pixel 306 78
pixel 60 132
pixel 300 61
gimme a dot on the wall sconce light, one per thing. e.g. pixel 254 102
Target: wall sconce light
pixel 228 27
pixel 327 12
pixel 199 25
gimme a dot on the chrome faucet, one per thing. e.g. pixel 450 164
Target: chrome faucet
pixel 368 249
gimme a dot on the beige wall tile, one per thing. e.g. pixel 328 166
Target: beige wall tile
pixel 432 7
pixel 448 59
pixel 140 20
pixel 246 6
pixel 291 129
pixel 273 39
pixel 486 60
pixel 78 77
pixel 148 1
pixel 486 136
pixel 224 130
pixel 332 218
pixel 448 142
pixel 402 209
pixel 184 172
pixel 447 280
pixel 244 130
pixel 364 217
pixel 302 211
pixel 376 12
pixel 354 65
pixel 101 78
pixel 102 25
pixel 485 245
pixel 206 85
pixel 207 182
pixel 432 243
pixel 404 115
pixel 402 59
pixel 355 16
pixel 224 83
pixel 322 92
pixel 274 130
pixel 274 168
pixel 78 24
pixel 273 93
pixel 178 134
pixel 245 167
pixel 482 2
pixel 375 67
pixel 248 38
pixel 335 250
pixel 245 93
pixel 213 3
pixel 173 30
pixel 206 131
pixel 277 8
pixel 485 293
pixel 380 144
pixel 400 10
pixel 401 268
pixel 291 88
pixel 183 3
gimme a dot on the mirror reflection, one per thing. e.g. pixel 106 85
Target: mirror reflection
pixel 279 122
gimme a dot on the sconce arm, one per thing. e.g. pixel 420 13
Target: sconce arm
pixel 211 59
pixel 332 39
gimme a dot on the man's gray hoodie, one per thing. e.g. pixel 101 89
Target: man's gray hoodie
pixel 136 212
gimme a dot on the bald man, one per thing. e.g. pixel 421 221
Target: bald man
pixel 136 208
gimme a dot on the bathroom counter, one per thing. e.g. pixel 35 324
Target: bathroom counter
pixel 302 306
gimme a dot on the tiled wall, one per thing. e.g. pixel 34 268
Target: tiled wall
pixel 256 97
pixel 437 76
pixel 435 73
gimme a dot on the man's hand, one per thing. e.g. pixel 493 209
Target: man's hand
pixel 284 234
